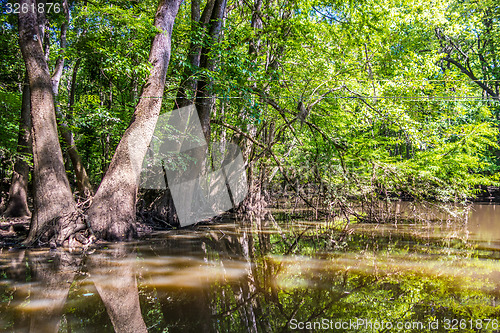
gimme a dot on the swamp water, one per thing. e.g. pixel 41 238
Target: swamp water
pixel 274 274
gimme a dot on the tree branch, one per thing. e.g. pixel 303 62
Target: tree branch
pixel 471 75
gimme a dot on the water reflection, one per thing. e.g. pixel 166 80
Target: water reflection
pixel 38 288
pixel 114 277
pixel 261 275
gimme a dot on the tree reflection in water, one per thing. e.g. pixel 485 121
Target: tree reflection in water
pixel 45 278
pixel 38 303
pixel 113 274
pixel 256 276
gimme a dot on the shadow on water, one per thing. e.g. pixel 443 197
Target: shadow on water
pixel 266 275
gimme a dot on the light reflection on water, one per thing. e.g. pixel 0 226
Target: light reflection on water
pixel 256 276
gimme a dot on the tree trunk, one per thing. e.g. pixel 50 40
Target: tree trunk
pixel 112 214
pixel 188 86
pixel 53 199
pixel 205 99
pixel 254 46
pixel 254 200
pixel 18 192
pixel 186 94
pixel 82 179
pixel 192 90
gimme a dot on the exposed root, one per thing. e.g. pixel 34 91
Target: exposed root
pixel 156 210
pixel 69 230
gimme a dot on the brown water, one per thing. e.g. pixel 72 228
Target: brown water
pixel 267 275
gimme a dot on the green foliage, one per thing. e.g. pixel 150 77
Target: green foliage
pixel 386 116
pixel 10 107
pixel 395 122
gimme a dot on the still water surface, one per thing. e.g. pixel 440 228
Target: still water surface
pixel 267 275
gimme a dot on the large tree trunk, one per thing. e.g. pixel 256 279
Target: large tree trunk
pixel 53 199
pixel 112 214
pixel 18 192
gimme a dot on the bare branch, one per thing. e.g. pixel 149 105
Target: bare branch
pixel 471 75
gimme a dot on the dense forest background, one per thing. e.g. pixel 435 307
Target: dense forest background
pixel 331 102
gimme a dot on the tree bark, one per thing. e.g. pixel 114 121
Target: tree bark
pixel 52 198
pixel 254 46
pixel 205 99
pixel 254 199
pixel 18 192
pixel 72 88
pixel 112 214
pixel 188 87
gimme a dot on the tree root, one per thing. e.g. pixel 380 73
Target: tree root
pixel 68 230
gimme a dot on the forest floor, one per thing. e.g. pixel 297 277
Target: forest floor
pixel 13 231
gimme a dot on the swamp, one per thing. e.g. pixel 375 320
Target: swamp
pixel 249 166
pixel 267 274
